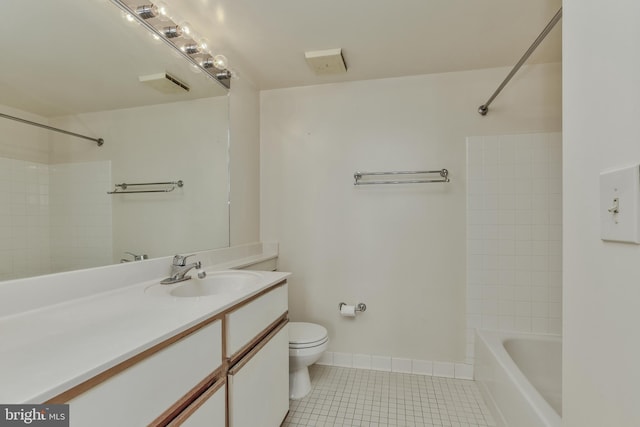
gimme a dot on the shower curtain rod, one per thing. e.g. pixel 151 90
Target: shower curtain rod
pixel 99 141
pixel 484 108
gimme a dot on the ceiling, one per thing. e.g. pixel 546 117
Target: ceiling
pixel 265 41
pixel 81 56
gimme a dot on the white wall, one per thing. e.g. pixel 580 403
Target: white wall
pixel 514 234
pixel 80 215
pixel 166 142
pixel 601 349
pixel 21 141
pixel 399 249
pixel 244 125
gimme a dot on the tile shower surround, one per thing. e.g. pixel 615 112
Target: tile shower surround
pixel 63 203
pixel 514 234
pixel 24 218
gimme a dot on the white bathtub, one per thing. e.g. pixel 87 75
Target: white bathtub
pixel 520 376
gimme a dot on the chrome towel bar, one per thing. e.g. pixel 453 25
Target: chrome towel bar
pixel 358 177
pixel 171 185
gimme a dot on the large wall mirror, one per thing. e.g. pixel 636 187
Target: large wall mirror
pixel 81 67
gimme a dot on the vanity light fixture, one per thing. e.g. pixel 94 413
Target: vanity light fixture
pixel 191 48
pixel 206 62
pixel 220 62
pixel 181 37
pixel 147 11
pixel 172 31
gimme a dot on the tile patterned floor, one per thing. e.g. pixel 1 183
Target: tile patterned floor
pixel 357 397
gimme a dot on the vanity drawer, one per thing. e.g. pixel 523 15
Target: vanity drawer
pixel 209 409
pixel 139 394
pixel 247 321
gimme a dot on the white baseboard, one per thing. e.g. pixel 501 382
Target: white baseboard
pixel 463 371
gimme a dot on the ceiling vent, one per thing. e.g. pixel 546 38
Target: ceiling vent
pixel 328 61
pixel 164 82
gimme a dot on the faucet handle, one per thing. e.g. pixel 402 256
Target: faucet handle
pixel 181 260
pixel 137 257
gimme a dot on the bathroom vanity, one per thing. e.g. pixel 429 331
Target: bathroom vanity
pixel 149 354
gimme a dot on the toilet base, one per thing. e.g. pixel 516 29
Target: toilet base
pixel 299 383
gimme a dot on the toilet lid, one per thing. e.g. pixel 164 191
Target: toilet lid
pixel 306 333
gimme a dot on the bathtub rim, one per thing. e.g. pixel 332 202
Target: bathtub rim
pixel 494 342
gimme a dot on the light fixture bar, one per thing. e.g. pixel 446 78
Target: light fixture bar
pixel 147 11
pixel 172 31
pixel 222 77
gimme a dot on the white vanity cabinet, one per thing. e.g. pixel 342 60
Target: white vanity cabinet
pixel 230 370
pixel 258 354
pixel 143 391
pixel 207 410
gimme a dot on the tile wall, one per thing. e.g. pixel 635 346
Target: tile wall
pixel 514 234
pixel 24 218
pixel 53 217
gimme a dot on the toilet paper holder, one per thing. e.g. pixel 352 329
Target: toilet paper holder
pixel 359 307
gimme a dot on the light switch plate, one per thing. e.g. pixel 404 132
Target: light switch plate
pixel 619 204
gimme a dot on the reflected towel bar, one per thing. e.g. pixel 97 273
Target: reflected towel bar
pixel 444 174
pixel 121 188
pixel 98 141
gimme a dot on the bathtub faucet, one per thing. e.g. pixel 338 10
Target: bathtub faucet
pixel 180 268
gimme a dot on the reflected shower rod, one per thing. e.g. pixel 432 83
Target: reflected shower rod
pixel 484 108
pixel 98 141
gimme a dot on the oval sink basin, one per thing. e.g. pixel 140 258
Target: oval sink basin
pixel 216 283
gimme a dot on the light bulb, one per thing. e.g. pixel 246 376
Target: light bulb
pixel 187 30
pixel 203 43
pixel 220 62
pixel 163 13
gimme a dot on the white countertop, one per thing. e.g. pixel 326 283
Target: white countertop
pixel 45 351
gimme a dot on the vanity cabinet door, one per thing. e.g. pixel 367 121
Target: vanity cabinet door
pixel 207 410
pixel 139 394
pixel 259 383
pixel 248 321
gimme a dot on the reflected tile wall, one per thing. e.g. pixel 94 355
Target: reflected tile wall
pixel 514 234
pixel 53 217
pixel 24 219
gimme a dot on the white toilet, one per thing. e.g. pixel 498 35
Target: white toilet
pixel 307 342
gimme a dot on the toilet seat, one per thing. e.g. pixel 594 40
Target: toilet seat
pixel 306 335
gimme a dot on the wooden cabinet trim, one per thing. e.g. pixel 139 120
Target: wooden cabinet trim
pixel 251 344
pixel 184 413
pixel 77 390
pixel 255 297
pixel 282 322
pixel 189 398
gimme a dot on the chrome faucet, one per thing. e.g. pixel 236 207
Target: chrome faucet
pixel 180 268
pixel 135 257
